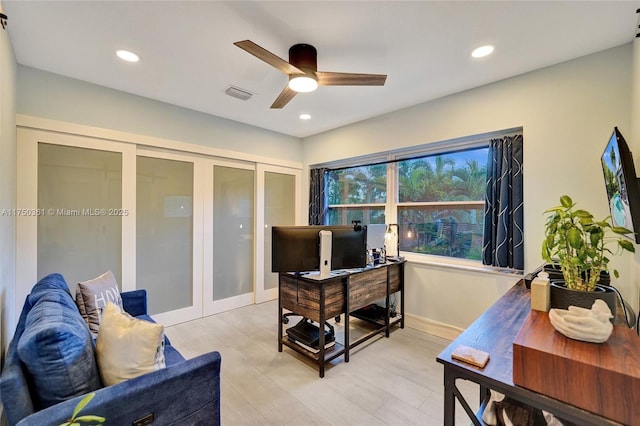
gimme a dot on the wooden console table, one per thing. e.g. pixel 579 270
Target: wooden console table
pixel 494 332
pixel 341 293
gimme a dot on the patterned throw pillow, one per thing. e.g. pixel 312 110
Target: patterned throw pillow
pixel 93 295
pixel 127 347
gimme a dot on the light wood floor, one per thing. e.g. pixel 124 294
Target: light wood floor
pixel 394 381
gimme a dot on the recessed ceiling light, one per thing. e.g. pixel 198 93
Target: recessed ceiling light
pixel 482 51
pixel 304 116
pixel 127 55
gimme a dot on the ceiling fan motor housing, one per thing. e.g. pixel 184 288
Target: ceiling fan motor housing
pixel 304 57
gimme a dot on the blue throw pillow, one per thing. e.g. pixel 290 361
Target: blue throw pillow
pixel 51 281
pixel 57 349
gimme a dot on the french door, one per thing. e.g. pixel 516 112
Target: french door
pixel 169 233
pixel 229 256
pixel 279 204
pixel 76 215
pixel 193 230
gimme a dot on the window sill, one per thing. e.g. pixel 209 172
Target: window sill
pixel 459 264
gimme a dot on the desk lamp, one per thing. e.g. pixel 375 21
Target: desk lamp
pixel 392 242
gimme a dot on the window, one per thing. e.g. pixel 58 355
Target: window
pixel 437 199
pixel 357 193
pixel 440 207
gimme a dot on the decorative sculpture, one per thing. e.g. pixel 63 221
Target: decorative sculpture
pixel 589 325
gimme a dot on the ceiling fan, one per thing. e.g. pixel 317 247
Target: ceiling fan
pixel 303 73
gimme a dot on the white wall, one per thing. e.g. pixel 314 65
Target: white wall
pixel 567 111
pixel 7 190
pixel 52 96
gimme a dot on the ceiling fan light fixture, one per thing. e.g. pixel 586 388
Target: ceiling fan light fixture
pixel 302 83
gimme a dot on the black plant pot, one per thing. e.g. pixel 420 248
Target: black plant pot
pixel 555 274
pixel 562 297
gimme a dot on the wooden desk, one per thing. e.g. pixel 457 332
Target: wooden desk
pixel 322 299
pixel 494 332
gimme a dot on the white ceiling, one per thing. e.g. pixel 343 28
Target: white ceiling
pixel 188 56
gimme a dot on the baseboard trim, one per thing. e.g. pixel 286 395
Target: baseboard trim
pixel 440 329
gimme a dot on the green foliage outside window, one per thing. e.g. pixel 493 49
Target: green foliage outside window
pixel 453 228
pixel 357 185
pixel 440 201
pixel 443 178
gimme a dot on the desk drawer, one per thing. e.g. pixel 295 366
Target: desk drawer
pixel 303 297
pixel 367 287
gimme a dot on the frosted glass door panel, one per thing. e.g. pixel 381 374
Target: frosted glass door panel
pixel 233 219
pixel 279 202
pixel 164 232
pixel 80 195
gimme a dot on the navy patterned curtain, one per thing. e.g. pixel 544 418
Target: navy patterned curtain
pixel 503 243
pixel 317 200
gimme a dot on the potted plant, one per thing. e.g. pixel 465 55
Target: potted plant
pixel 581 247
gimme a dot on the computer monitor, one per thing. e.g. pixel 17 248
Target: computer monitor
pixel 297 248
pixel 376 235
pixel 348 247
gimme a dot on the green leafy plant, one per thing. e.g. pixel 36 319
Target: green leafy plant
pixel 88 419
pixel 580 244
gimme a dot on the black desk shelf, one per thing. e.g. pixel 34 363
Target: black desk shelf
pixel 329 354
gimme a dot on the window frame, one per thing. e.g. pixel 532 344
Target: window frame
pixel 391 158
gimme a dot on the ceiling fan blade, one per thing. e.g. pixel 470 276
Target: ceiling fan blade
pixel 283 98
pixel 268 57
pixel 350 79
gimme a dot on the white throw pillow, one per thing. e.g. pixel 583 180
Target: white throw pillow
pixel 127 347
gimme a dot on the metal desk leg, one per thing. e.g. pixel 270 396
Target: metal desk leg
pixel 321 360
pixel 386 306
pixel 279 313
pixel 401 295
pixel 449 398
pixel 484 394
pixel 347 306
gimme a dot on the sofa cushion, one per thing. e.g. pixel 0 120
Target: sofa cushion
pixel 56 346
pixel 42 287
pixel 127 347
pixel 171 355
pixel 93 295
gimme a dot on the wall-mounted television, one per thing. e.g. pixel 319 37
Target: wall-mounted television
pixel 623 191
pixel 297 248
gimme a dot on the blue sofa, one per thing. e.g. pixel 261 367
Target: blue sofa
pixel 186 392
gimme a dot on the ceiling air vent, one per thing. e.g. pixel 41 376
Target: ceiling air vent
pixel 238 93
